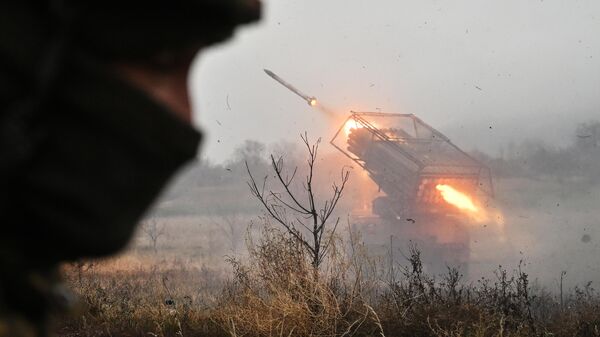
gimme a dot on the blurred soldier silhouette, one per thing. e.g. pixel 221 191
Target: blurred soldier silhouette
pixel 94 120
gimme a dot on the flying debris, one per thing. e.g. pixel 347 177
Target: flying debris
pixel 312 101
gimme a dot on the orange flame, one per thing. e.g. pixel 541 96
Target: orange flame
pixel 457 198
pixel 475 211
pixel 350 125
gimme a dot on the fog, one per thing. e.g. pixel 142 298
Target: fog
pixel 547 199
pixel 483 72
pixel 509 81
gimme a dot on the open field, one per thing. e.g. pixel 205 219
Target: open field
pixel 202 266
pixel 195 284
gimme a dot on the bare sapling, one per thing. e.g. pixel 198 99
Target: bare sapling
pixel 153 231
pixel 298 211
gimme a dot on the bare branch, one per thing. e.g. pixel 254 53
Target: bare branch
pixel 310 219
pixel 326 246
pixel 286 184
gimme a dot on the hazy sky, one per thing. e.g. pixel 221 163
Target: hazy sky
pixel 527 69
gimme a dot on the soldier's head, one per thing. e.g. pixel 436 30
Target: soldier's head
pixel 96 118
pixel 152 43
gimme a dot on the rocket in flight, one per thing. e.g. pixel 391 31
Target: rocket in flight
pixel 312 101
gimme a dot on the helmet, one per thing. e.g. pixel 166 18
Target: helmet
pixel 135 29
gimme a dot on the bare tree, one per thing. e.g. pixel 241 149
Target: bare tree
pixel 588 135
pixel 302 216
pixel 231 225
pixel 154 231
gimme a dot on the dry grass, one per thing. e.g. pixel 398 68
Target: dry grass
pixel 277 293
pixel 156 302
pixel 274 292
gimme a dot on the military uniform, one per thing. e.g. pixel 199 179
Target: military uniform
pixel 82 151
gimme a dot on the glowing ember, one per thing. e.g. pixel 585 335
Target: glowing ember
pixel 457 198
pixel 312 102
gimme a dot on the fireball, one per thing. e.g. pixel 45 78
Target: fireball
pixel 350 125
pixel 457 198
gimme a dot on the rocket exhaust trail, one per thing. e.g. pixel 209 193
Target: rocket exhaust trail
pixel 312 101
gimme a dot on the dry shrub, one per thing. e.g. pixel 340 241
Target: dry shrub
pixel 164 302
pixel 416 304
pixel 276 292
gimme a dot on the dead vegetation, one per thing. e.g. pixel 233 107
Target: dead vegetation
pixel 300 213
pixel 271 292
pixel 274 293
